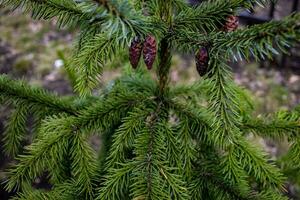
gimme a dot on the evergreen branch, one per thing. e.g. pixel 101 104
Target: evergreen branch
pixel 207 179
pixel 120 173
pixel 50 150
pixel 224 132
pixel 176 185
pixel 223 104
pixel 116 183
pixel 292 157
pixel 173 146
pixel 179 4
pixel 273 127
pixel 61 167
pixel 43 153
pixel 126 20
pixel 123 139
pixel 208 16
pixel 204 18
pixel 104 45
pixel 195 89
pixel 70 13
pixel 207 174
pixel 232 161
pixel 84 165
pixel 103 115
pixel 233 172
pixel 34 96
pixel 226 126
pixel 117 180
pixel 254 162
pixel 25 107
pixel 88 63
pixel 270 194
pixel 257 41
pixel 121 24
pixel 198 92
pixel 151 174
pixel 187 147
pixel 199 119
pixel 67 11
pixel 15 130
pixel 147 181
pixel 209 165
pixel 222 190
pixel 226 191
pixel 119 169
pixel 59 192
pixel 38 195
pixel 138 84
pixel 174 175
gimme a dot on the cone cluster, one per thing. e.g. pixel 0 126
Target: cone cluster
pixel 148 47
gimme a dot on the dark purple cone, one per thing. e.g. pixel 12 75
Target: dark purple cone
pixel 135 52
pixel 232 23
pixel 149 51
pixel 202 59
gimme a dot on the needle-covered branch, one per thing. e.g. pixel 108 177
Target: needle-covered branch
pixel 15 130
pixel 67 12
pixel 46 153
pixel 13 90
pixel 103 115
pixel 71 13
pixel 209 15
pixel 258 41
pixel 96 51
pixel 272 127
pixel 41 154
pixel 30 101
pixel 114 23
pixel 62 191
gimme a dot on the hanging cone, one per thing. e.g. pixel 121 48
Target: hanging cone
pixel 149 51
pixel 135 52
pixel 202 59
pixel 232 23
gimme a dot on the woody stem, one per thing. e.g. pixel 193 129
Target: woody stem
pixel 164 51
pixel 164 65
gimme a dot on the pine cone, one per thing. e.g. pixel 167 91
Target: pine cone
pixel 232 23
pixel 202 59
pixel 149 51
pixel 135 52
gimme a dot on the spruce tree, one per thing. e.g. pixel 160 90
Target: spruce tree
pixel 158 141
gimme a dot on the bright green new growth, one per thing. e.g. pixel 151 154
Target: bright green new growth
pixel 158 142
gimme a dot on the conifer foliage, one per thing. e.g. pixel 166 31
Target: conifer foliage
pixel 158 141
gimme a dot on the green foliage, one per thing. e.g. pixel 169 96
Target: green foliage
pixel 158 142
pixel 66 11
pixel 16 130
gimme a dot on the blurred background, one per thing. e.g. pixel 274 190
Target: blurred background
pixel 37 51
